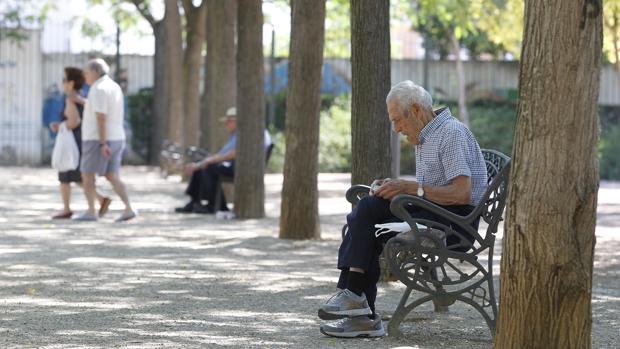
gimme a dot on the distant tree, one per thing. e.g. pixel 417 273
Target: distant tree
pixel 299 218
pixel 168 75
pixel 370 75
pixel 195 28
pixel 250 154
pixel 220 71
pixel 548 245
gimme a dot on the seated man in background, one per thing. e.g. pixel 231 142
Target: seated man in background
pixel 450 172
pixel 205 174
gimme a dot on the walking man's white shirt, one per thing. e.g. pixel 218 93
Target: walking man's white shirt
pixel 103 138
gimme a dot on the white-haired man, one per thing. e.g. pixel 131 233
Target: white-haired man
pixel 103 138
pixel 450 172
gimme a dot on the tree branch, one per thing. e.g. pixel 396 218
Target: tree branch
pixel 143 8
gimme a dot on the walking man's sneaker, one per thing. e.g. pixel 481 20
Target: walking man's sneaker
pixel 358 326
pixel 85 217
pixel 344 303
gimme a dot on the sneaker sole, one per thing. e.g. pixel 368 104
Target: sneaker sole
pixel 335 315
pixel 355 334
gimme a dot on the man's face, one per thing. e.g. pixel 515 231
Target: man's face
pixel 231 124
pixel 90 76
pixel 403 124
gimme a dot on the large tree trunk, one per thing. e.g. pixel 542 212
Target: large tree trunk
pixel 300 197
pixel 195 17
pixel 250 156
pixel 173 63
pixel 220 71
pixel 548 246
pixel 460 72
pixel 370 75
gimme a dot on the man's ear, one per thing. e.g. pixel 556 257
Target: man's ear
pixel 415 109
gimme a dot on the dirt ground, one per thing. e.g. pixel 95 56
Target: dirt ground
pixel 167 280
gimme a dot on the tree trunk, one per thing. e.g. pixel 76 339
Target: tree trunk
pixel 220 71
pixel 460 72
pixel 548 246
pixel 160 120
pixel 370 77
pixel 250 156
pixel 173 63
pixel 195 17
pixel 300 197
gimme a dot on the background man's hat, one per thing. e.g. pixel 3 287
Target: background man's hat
pixel 230 113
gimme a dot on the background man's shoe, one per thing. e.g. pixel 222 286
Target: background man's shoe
pixel 344 303
pixel 359 326
pixel 105 204
pixel 85 217
pixel 199 208
pixel 189 208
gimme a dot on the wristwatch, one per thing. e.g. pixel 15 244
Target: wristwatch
pixel 420 190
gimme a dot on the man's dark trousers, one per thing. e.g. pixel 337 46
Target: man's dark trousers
pixel 203 184
pixel 361 249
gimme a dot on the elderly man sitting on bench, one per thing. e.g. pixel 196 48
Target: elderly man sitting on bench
pixel 205 173
pixel 450 172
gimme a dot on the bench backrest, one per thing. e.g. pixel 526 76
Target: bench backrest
pixel 492 204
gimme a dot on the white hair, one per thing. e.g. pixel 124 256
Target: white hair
pixel 99 66
pixel 406 93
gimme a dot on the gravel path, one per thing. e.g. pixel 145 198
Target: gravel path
pixel 189 281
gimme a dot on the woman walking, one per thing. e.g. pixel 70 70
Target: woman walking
pixel 72 117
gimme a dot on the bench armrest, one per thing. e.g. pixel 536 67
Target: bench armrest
pixel 356 193
pixel 401 202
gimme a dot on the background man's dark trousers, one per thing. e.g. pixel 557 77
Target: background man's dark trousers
pixel 203 184
pixel 361 249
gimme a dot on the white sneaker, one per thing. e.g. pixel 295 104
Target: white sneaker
pixel 125 216
pixel 85 217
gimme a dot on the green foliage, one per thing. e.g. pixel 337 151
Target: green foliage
pixel 140 107
pixel 335 137
pixel 493 125
pixel 17 16
pixel 609 154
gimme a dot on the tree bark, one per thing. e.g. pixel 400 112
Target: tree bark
pixel 160 120
pixel 220 71
pixel 173 63
pixel 250 156
pixel 299 217
pixel 548 246
pixel 370 77
pixel 460 72
pixel 195 17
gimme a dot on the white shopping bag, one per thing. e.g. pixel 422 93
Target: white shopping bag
pixel 66 156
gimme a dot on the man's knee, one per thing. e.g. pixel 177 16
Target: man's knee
pixel 371 205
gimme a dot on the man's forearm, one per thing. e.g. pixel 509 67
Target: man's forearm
pixel 101 127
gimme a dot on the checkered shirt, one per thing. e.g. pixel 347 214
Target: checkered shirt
pixel 447 150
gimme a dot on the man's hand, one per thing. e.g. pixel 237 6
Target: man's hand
pixel 392 187
pixel 375 185
pixel 106 151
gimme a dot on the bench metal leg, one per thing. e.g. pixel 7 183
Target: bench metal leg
pixel 402 310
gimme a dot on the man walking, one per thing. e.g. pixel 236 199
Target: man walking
pixel 103 137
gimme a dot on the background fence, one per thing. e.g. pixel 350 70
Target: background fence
pixel 30 88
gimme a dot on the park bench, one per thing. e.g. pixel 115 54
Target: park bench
pixel 420 259
pixel 225 185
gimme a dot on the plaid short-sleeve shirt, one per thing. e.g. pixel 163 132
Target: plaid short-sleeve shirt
pixel 447 150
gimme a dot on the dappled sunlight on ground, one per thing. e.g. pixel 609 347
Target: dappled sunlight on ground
pixel 167 280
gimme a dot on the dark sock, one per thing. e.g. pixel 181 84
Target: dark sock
pixel 356 282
